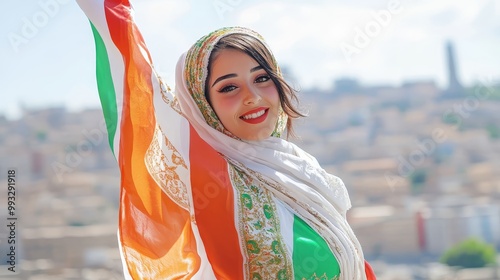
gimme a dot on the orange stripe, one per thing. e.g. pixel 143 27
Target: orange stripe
pixel 213 198
pixel 151 224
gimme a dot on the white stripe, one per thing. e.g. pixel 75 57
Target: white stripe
pixel 286 218
pixel 117 73
pixel 98 19
pixel 175 127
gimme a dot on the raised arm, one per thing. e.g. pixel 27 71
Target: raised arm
pixel 156 238
pixel 123 68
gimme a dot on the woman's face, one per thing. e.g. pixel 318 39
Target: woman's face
pixel 243 95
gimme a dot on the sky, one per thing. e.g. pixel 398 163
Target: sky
pixel 47 51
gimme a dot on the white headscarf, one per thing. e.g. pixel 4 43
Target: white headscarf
pixel 291 174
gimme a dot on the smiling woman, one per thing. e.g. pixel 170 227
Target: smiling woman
pixel 243 95
pixel 209 188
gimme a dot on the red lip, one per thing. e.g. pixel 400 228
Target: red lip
pixel 256 120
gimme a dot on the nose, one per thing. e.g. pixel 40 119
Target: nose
pixel 251 96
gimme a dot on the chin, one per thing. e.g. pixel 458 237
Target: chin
pixel 256 137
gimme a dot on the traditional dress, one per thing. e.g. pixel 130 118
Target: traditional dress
pixel 197 202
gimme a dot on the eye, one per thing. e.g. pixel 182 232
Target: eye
pixel 262 79
pixel 227 89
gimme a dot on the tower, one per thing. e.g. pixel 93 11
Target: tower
pixel 455 88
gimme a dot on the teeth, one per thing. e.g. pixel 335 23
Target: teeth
pixel 254 115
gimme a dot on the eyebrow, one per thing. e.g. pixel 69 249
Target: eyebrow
pixel 232 75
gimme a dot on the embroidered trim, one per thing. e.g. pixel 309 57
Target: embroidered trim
pixel 165 92
pixel 259 227
pixel 164 168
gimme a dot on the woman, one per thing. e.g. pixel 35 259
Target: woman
pixel 209 190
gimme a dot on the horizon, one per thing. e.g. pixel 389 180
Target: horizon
pixel 28 109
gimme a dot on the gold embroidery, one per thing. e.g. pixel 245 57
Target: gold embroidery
pixel 164 169
pixel 265 250
pixel 175 105
pixel 165 92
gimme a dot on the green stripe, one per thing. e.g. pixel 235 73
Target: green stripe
pixel 106 87
pixel 312 258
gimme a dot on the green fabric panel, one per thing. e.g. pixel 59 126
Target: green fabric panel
pixel 312 258
pixel 105 86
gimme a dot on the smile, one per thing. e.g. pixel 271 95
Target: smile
pixel 256 116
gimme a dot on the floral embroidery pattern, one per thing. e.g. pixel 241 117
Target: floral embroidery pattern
pixel 259 229
pixel 165 93
pixel 163 167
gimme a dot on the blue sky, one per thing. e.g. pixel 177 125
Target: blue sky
pixel 47 48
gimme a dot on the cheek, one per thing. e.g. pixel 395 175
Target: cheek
pixel 224 107
pixel 273 96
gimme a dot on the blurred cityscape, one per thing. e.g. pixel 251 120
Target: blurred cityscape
pixel 421 163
